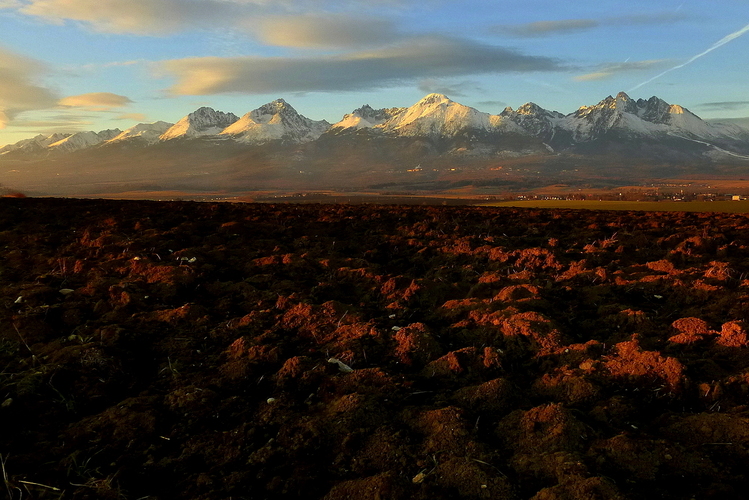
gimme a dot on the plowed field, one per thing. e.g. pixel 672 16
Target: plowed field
pixel 176 350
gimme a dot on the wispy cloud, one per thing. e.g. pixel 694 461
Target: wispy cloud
pixel 543 28
pixel 437 86
pixel 564 26
pixel 112 64
pixel 48 124
pixel 423 58
pixel 45 122
pixel 297 23
pixel 324 31
pixel 492 104
pixel 724 105
pixel 613 69
pixel 18 90
pixel 96 101
pixel 143 17
pixel 138 117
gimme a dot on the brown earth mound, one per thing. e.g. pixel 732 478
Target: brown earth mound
pixel 205 351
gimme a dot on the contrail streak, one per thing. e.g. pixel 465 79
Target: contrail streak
pixel 714 46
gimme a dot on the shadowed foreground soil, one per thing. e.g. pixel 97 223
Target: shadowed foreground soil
pixel 207 351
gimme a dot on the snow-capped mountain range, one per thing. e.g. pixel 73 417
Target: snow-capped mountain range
pixel 618 119
pixel 647 118
pixel 437 116
pixel 146 133
pixel 82 140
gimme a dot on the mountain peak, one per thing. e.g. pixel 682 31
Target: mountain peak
pixel 202 110
pixel 366 117
pixel 279 104
pixel 434 99
pixel 436 115
pixel 146 132
pixel 533 119
pixel 653 110
pixel 276 120
pixel 206 112
pixel 609 109
pixel 81 140
pixel 202 121
pixel 531 108
pixel 35 144
pixel 277 107
pixel 650 118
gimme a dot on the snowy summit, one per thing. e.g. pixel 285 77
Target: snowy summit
pixel 276 120
pixel 203 121
pixel 436 115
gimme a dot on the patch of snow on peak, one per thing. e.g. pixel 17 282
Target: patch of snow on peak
pixel 692 125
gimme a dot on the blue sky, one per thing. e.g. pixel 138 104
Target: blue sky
pixel 71 65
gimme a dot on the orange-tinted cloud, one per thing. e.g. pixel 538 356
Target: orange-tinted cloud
pixel 144 17
pixel 324 31
pixel 138 117
pixel 18 90
pixel 414 59
pixel 96 100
